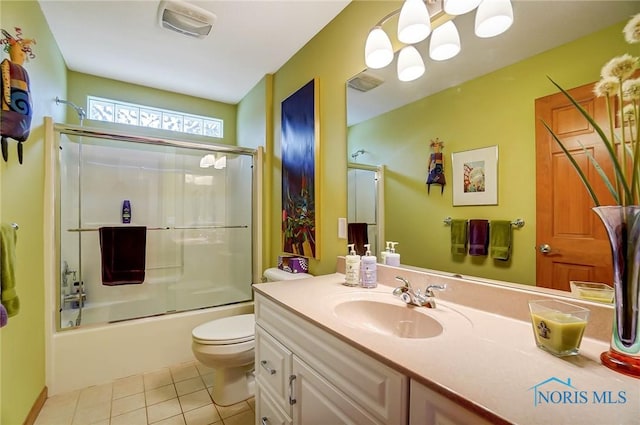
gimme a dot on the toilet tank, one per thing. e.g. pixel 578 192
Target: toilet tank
pixel 274 274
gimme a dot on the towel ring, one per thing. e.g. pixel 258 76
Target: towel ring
pixel 15 226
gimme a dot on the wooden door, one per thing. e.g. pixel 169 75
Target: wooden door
pixel 571 241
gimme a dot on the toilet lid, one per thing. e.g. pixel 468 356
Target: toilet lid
pixel 228 330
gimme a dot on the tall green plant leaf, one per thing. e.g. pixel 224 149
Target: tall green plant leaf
pixel 602 174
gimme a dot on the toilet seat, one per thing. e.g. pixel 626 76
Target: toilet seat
pixel 226 331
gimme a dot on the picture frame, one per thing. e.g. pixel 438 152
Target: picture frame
pixel 475 176
pixel 300 157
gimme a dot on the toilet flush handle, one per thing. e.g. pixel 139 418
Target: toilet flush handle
pixel 271 371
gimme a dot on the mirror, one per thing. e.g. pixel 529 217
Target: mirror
pixel 365 208
pixel 482 97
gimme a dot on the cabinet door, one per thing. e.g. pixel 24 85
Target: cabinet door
pixel 273 367
pixel 430 408
pixel 267 410
pixel 317 402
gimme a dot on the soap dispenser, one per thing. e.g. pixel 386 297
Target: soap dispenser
pixel 368 271
pixel 393 258
pixel 352 267
pixel 383 254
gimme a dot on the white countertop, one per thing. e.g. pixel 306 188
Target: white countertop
pixel 489 361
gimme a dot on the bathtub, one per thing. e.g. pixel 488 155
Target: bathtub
pixel 97 354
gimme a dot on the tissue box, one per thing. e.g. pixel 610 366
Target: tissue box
pixel 293 264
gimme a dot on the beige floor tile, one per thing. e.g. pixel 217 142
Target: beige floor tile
pixel 190 385
pixel 127 404
pixel 204 415
pixel 137 417
pixel 55 415
pixel 63 399
pixel 156 379
pixel 195 400
pixel 207 378
pixel 92 414
pixel 234 409
pixel 174 420
pixel 244 418
pixel 202 369
pixel 163 410
pixel 128 386
pixel 184 371
pixel 160 394
pixel 91 396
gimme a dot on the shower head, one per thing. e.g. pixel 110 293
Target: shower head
pixel 357 153
pixel 81 113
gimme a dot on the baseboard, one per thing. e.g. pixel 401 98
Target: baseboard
pixel 37 407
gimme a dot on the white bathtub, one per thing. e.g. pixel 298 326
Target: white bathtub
pixel 98 354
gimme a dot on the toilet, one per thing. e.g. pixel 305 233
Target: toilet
pixel 227 346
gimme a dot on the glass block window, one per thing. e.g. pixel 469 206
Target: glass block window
pixel 101 109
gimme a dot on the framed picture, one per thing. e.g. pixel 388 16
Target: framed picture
pixel 299 142
pixel 475 177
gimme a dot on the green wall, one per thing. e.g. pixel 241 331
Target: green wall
pixel 332 56
pixel 22 355
pixel 83 85
pixel 495 109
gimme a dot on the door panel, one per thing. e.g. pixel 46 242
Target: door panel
pixel 577 245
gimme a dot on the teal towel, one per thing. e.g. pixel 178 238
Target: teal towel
pixel 458 237
pixel 8 240
pixel 500 239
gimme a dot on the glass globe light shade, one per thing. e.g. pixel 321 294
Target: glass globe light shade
pixel 414 23
pixel 445 42
pixel 378 52
pixel 410 65
pixel 493 17
pixel 460 7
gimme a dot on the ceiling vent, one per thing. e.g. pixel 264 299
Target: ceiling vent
pixel 185 18
pixel 364 82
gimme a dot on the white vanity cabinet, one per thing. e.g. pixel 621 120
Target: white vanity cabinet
pixel 305 375
pixel 430 408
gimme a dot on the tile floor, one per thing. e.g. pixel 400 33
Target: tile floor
pixel 178 395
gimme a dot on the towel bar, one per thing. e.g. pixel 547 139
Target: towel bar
pixel 518 222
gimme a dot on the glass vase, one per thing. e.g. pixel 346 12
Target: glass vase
pixel 623 229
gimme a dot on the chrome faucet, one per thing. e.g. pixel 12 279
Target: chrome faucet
pixel 415 297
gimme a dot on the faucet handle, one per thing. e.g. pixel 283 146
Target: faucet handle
pixel 404 281
pixel 429 289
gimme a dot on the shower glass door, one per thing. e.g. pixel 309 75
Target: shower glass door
pixel 196 205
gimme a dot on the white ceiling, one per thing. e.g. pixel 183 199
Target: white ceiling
pixel 538 26
pixel 122 40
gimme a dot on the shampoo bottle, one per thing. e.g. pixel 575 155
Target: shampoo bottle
pixel 393 258
pixel 352 267
pixel 126 211
pixel 368 272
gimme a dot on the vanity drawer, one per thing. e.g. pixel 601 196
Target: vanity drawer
pixel 273 366
pixel 269 413
pixel 379 389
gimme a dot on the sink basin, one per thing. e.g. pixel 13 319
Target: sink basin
pixel 387 319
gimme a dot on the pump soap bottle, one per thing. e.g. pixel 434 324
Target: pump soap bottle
pixel 383 254
pixel 393 258
pixel 368 272
pixel 352 267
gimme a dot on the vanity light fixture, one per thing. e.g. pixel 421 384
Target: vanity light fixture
pixel 410 64
pixel 445 42
pixel 493 17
